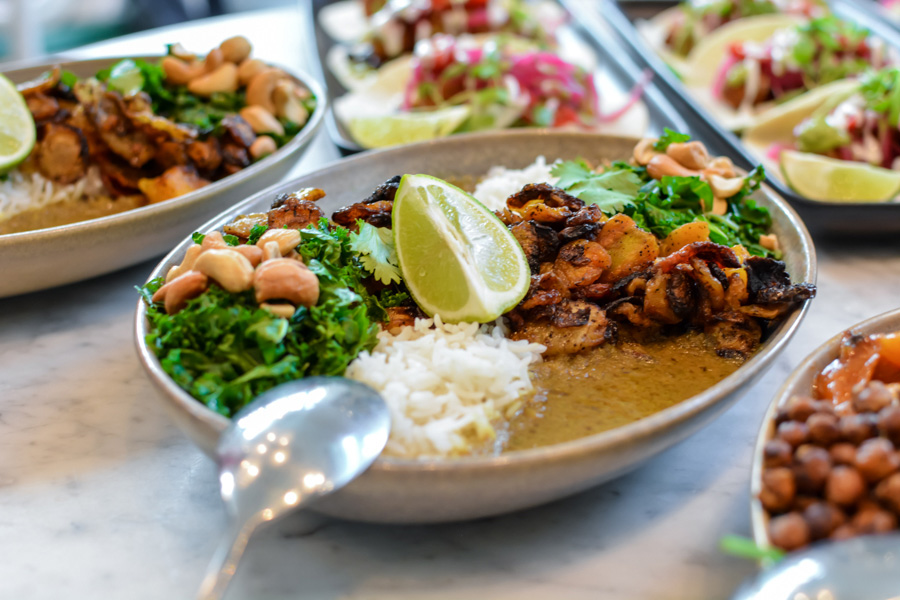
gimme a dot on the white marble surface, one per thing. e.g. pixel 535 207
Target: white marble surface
pixel 101 497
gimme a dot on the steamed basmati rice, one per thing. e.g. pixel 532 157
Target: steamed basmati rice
pixel 446 385
pixel 501 183
pixel 21 192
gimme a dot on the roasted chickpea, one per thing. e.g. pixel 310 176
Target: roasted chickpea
pixel 872 398
pixel 874 520
pixel 844 532
pixel 777 453
pixel 845 486
pixel 793 432
pixel 789 531
pixel 800 408
pixel 811 468
pixel 822 518
pixel 888 491
pixel 889 423
pixel 823 428
pixel 779 489
pixel 858 428
pixel 843 453
pixel 876 459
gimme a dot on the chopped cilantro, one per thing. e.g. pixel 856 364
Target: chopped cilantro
pixel 375 246
pixel 669 137
pixel 256 232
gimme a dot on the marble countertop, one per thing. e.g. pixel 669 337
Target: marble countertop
pixel 102 497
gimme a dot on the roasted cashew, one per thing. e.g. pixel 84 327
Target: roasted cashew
pixel 180 72
pixel 287 103
pixel 262 146
pixel 228 268
pixel 286 279
pixel 663 164
pixel 285 311
pixel 260 88
pixel 644 151
pixel 692 155
pixel 261 120
pixel 721 166
pixel 252 253
pixel 177 292
pixel 725 188
pixel 249 69
pixel 213 239
pixel 187 263
pixel 769 241
pixel 287 239
pixel 271 251
pixel 235 49
pixel 213 60
pixel 223 79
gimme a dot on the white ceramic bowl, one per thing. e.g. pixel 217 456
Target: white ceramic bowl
pixel 800 383
pixel 45 258
pixel 410 491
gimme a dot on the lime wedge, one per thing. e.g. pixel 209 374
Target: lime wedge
pixel 829 179
pixel 457 258
pixel 17 132
pixel 703 63
pixel 379 131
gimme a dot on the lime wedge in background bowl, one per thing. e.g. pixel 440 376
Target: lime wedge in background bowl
pixel 17 132
pixel 458 259
pixel 829 179
pixel 405 128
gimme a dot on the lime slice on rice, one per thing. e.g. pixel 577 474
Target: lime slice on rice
pixel 457 258
pixel 703 62
pixel 17 132
pixel 379 131
pixel 829 179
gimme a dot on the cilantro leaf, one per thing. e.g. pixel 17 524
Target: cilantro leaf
pixel 611 190
pixel 670 137
pixel 375 246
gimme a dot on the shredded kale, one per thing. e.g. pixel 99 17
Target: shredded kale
pixel 662 206
pixel 225 350
pixel 256 232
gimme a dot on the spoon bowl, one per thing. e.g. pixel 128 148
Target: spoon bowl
pixel 295 443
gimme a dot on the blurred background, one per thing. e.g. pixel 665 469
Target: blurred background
pixel 29 28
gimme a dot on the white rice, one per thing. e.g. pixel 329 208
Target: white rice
pixel 21 192
pixel 447 386
pixel 501 183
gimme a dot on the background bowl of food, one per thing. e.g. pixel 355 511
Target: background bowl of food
pixel 826 464
pixel 549 461
pixel 110 183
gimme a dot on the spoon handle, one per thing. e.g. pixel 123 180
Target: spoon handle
pixel 224 562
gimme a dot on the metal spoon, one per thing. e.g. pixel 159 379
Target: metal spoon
pixel 294 444
pixel 863 568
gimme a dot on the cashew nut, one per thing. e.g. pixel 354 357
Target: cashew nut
pixel 720 206
pixel 725 188
pixel 213 239
pixel 260 88
pixel 720 165
pixel 180 72
pixel 287 239
pixel 287 104
pixel 262 146
pixel 179 51
pixel 286 279
pixel 190 257
pixel 663 164
pixel 644 151
pixel 769 241
pixel 213 60
pixel 271 251
pixel 285 311
pixel 252 253
pixel 229 269
pixel 177 292
pixel 692 155
pixel 223 79
pixel 235 49
pixel 249 69
pixel 261 120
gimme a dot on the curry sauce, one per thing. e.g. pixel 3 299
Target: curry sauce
pixel 577 395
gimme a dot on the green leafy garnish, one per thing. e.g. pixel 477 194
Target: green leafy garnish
pixel 256 232
pixel 742 547
pixel 611 190
pixel 225 350
pixel 375 246
pixel 670 137
pixel 881 92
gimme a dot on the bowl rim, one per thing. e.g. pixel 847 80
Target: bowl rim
pixel 629 433
pixel 303 137
pixel 828 350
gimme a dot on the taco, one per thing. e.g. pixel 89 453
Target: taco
pixel 740 80
pixel 372 33
pixel 457 84
pixel 675 32
pixel 841 144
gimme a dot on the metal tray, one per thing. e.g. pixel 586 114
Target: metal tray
pixel 611 56
pixel 834 218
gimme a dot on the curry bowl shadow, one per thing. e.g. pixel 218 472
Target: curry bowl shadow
pixel 431 491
